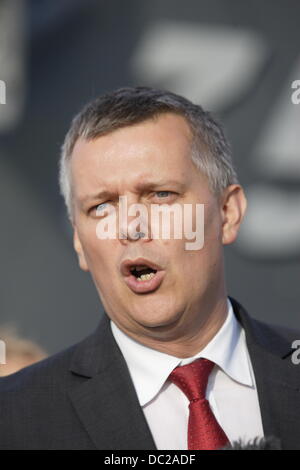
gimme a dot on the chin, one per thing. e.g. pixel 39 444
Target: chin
pixel 158 318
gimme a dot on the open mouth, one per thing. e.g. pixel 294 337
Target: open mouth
pixel 143 273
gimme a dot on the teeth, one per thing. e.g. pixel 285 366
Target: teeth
pixel 146 277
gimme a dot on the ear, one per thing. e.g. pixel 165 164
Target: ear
pixel 80 253
pixel 234 205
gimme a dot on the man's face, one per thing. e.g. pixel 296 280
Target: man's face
pixel 149 163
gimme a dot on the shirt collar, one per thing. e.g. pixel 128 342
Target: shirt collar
pixel 149 368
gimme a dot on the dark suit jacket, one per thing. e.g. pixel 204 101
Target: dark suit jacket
pixel 83 397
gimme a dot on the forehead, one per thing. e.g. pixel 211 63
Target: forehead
pixel 156 148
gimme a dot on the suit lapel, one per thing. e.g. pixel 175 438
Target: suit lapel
pixel 277 378
pixel 106 401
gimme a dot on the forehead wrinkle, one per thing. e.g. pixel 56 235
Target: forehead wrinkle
pixel 139 186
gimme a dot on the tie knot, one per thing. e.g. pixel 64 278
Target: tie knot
pixel 192 378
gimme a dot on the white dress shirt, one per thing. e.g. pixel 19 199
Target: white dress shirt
pixel 231 389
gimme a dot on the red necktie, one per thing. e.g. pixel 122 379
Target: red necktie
pixel 204 432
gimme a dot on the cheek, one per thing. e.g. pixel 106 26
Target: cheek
pixel 198 267
pixel 99 256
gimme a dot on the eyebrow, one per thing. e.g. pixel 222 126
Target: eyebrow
pixel 154 184
pixel 140 186
pixel 100 195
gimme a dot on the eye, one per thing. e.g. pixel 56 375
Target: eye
pixel 98 207
pixel 101 206
pixel 163 194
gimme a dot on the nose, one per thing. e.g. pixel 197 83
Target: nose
pixel 133 230
pixel 133 221
pixel 132 235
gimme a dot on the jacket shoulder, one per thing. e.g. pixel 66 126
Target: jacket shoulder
pixel 35 409
pixel 277 331
pixel 272 336
pixel 45 371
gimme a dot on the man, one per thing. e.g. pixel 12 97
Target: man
pixel 174 363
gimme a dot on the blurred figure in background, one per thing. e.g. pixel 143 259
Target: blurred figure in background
pixel 19 352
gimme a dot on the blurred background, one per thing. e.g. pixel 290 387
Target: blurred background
pixel 236 58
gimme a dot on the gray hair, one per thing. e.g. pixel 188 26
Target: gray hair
pixel 210 150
